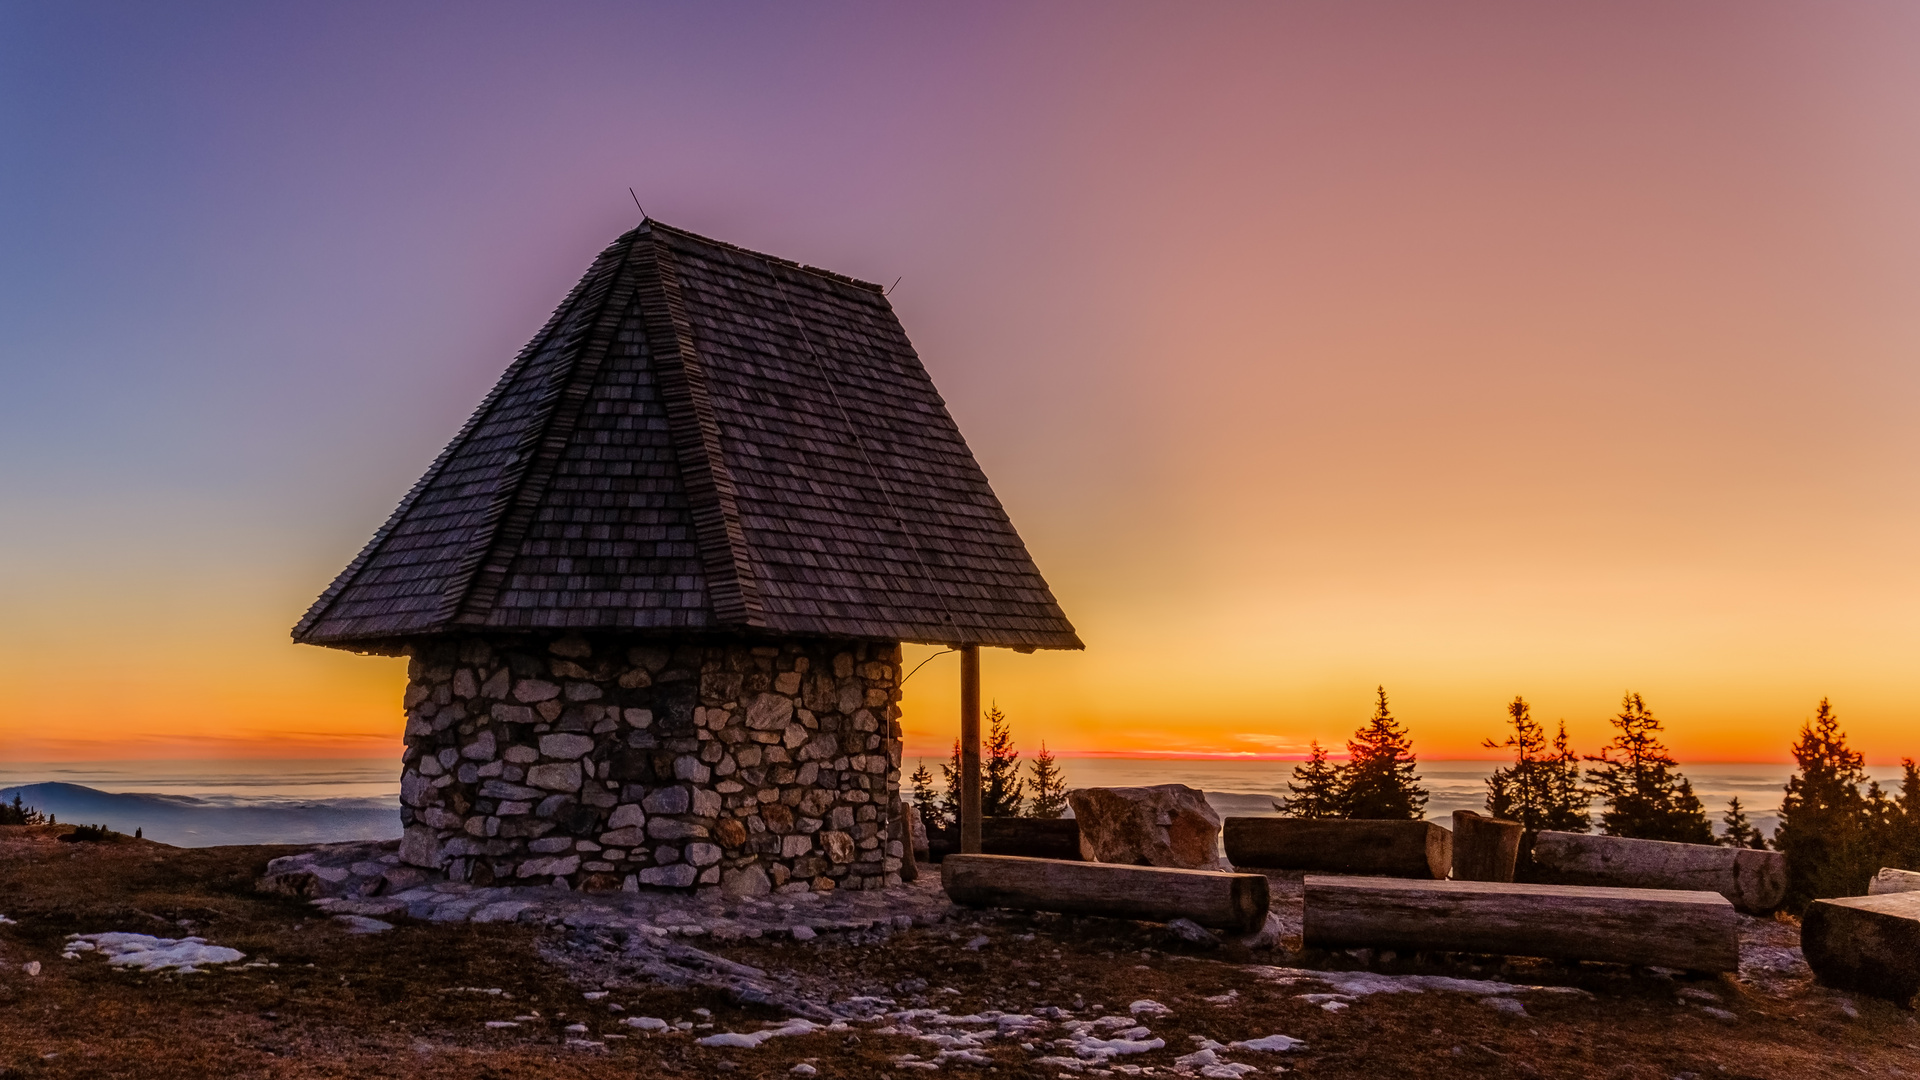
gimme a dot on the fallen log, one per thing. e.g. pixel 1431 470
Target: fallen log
pixel 1889 880
pixel 1034 838
pixel 1410 849
pixel 1755 881
pixel 1866 943
pixel 1692 930
pixel 1484 848
pixel 1232 902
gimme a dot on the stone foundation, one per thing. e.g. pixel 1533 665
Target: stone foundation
pixel 602 764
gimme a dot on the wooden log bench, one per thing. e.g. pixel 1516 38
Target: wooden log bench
pixel 1755 881
pixel 1484 848
pixel 1691 930
pixel 1231 902
pixel 1866 943
pixel 1890 880
pixel 1411 849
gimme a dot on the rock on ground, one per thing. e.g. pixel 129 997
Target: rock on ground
pixel 1163 825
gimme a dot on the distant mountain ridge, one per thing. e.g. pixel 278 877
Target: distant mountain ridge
pixel 188 821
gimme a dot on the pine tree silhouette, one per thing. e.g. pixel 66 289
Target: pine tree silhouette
pixel 1644 794
pixel 1380 782
pixel 1049 786
pixel 1740 832
pixel 1541 789
pixel 1316 788
pixel 1823 816
pixel 924 798
pixel 1002 791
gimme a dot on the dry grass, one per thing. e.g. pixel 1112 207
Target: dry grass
pixel 340 1005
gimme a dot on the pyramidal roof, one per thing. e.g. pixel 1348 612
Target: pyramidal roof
pixel 702 439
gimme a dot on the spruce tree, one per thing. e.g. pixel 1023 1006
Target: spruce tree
pixel 1316 787
pixel 1567 798
pixel 1541 789
pixel 1740 832
pixel 924 798
pixel 1823 816
pixel 1380 782
pixel 1644 794
pixel 1002 791
pixel 1900 847
pixel 950 799
pixel 1049 786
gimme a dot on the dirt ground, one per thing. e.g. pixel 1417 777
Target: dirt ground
pixel 392 1004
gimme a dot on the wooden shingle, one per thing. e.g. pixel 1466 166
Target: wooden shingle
pixel 702 439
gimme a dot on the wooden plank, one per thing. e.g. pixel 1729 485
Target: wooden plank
pixel 1413 849
pixel 1484 848
pixel 1756 881
pixel 1232 902
pixel 1693 930
pixel 1866 943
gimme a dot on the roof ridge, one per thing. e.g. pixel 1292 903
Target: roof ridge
pixel 732 586
pixel 475 585
pixel 844 279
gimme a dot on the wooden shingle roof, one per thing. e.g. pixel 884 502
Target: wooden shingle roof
pixel 702 439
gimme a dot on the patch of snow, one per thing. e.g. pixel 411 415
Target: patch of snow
pixel 804 933
pixel 1199 1059
pixel 503 1023
pixel 1228 1070
pixel 742 1041
pixel 1718 1014
pixel 150 953
pixel 803 1069
pixel 1149 1007
pixel 578 1029
pixel 1222 999
pixel 1273 1044
pixel 1505 1005
pixel 1361 983
pixel 31 967
pixel 360 924
pixel 646 1023
pixel 978 943
pixel 595 995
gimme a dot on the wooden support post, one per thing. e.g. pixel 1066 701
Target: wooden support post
pixel 970 749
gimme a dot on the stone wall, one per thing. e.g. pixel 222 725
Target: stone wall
pixel 604 764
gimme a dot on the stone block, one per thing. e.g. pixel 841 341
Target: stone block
pixel 627 837
pixel 669 800
pixel 559 866
pixel 500 789
pixel 512 714
pixel 706 803
pixel 555 777
pixel 661 828
pixel 677 876
pixel 530 691
pixel 744 882
pixel 769 712
pixel 565 746
pixel 482 748
pixel 838 846
pixel 793 846
pixel 1167 825
pixel 702 854
pixel 688 767
pixel 626 816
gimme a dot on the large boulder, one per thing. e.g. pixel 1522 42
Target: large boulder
pixel 1164 825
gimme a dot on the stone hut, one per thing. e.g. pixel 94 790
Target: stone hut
pixel 653 593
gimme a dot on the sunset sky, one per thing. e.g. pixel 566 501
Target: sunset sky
pixel 1469 349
